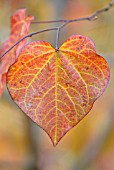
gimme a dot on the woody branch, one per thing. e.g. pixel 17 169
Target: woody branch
pixel 64 22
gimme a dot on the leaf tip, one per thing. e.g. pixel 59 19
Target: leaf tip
pixel 55 142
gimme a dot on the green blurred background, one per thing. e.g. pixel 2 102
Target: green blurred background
pixel 90 145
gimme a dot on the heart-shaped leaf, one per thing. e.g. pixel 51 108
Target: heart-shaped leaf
pixel 56 89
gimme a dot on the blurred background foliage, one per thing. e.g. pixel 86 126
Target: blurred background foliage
pixel 89 145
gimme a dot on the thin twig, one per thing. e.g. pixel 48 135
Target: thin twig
pixel 29 35
pixel 90 18
pixel 65 22
pixel 49 22
pixel 58 33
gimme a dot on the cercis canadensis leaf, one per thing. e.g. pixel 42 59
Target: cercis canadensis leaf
pixel 19 28
pixel 57 88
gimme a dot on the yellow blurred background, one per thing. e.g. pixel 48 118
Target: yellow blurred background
pixel 89 145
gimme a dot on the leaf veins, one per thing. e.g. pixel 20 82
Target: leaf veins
pixel 19 28
pixel 57 89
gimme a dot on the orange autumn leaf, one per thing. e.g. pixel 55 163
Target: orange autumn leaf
pixel 57 89
pixel 19 28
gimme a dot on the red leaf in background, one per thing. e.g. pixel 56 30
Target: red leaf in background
pixel 19 28
pixel 57 89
